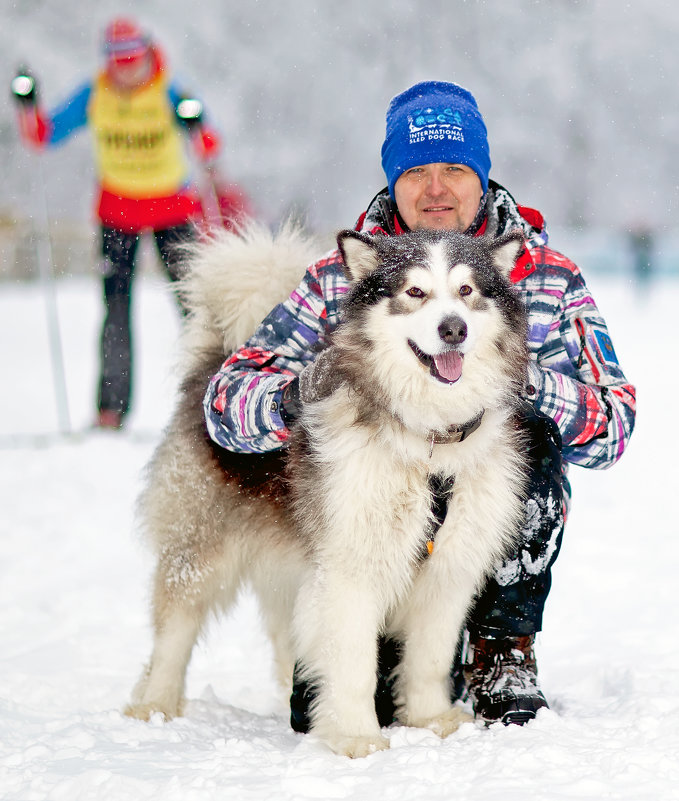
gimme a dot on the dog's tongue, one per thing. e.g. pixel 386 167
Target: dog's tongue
pixel 449 365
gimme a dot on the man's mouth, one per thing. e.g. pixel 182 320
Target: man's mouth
pixel 445 367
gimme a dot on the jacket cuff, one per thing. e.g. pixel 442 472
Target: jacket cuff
pixel 535 383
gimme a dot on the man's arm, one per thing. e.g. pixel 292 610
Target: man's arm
pixel 243 401
pixel 70 115
pixel 577 380
pixel 41 129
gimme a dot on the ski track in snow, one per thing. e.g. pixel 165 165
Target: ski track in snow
pixel 74 584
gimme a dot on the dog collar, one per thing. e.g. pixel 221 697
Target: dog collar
pixel 455 433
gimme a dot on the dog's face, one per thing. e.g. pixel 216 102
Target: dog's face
pixel 441 299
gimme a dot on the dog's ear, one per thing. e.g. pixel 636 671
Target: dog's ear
pixel 506 250
pixel 359 253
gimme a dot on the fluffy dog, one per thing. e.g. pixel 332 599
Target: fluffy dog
pixel 336 535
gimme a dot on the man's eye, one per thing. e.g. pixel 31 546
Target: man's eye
pixel 465 289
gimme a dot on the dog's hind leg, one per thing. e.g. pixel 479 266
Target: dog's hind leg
pixel 276 606
pixel 276 572
pixel 180 607
pixel 161 687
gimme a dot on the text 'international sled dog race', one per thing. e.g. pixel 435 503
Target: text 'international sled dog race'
pixel 336 533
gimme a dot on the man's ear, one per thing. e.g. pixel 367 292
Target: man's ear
pixel 505 251
pixel 359 253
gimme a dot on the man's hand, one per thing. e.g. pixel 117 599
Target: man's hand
pixel 24 88
pixel 190 111
pixel 34 128
pixel 317 381
pixel 320 379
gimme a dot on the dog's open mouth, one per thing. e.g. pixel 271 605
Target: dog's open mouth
pixel 445 367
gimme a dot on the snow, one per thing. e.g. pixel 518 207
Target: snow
pixel 74 592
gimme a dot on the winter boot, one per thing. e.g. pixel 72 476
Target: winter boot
pixel 502 679
pixel 107 418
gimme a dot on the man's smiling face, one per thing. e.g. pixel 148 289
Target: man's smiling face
pixel 438 196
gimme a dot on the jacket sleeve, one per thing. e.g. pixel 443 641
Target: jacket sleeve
pixel 41 129
pixel 242 402
pixel 70 115
pixel 577 380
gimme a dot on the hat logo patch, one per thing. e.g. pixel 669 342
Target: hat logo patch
pixel 429 124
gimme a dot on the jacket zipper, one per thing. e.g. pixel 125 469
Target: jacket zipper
pixel 585 352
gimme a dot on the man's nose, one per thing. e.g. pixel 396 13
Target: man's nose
pixel 435 185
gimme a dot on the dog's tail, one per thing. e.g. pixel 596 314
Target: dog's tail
pixel 232 281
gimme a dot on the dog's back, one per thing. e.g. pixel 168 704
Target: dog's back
pixel 232 282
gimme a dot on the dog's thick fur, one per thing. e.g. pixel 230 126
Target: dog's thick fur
pixel 335 551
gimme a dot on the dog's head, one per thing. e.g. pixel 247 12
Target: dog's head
pixel 440 301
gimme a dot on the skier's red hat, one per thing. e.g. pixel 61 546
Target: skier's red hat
pixel 124 40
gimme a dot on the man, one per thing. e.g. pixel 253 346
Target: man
pixel 138 118
pixel 578 404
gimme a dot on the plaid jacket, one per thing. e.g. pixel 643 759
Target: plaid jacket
pixel 574 376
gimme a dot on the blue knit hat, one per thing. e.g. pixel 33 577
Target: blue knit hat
pixel 432 122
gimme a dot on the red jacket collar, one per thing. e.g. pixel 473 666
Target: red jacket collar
pixel 523 267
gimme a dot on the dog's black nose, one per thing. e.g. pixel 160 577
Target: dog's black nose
pixel 453 330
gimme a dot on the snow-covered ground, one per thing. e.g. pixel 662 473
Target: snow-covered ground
pixel 74 594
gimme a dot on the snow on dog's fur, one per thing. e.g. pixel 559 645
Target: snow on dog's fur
pixel 428 365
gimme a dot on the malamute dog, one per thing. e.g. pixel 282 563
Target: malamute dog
pixel 336 535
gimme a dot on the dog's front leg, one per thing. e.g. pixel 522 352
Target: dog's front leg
pixel 431 628
pixel 483 516
pixel 337 623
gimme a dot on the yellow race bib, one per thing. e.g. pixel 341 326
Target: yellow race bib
pixel 138 147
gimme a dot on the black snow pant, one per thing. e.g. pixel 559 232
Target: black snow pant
pixel 119 249
pixel 512 602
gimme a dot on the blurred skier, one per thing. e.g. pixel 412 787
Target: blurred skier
pixel 137 116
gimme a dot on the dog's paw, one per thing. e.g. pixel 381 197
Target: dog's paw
pixel 449 722
pixel 357 747
pixel 146 711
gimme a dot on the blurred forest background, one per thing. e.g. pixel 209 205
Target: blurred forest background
pixel 580 98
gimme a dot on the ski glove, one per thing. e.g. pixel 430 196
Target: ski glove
pixel 24 88
pixel 318 380
pixel 189 111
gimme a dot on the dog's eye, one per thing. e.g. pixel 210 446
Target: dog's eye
pixel 415 292
pixel 465 289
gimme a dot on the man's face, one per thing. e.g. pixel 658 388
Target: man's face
pixel 129 73
pixel 438 196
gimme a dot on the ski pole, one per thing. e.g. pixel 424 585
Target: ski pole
pixel 46 271
pixel 190 111
pixel 24 90
pixel 211 199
